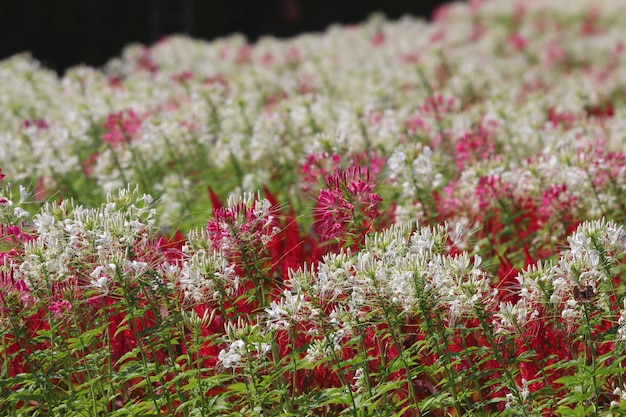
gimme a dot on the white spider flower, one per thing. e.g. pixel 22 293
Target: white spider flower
pixel 102 276
pixel 231 358
pixel 282 314
pixel 207 275
pixel 510 317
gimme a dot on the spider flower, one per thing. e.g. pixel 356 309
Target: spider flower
pixel 348 205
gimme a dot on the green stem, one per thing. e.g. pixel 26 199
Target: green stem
pixel 431 93
pixel 446 354
pixel 521 333
pixel 498 355
pixel 340 372
pixel 280 379
pixel 132 304
pixel 472 365
pixel 253 394
pixel 109 349
pixel 589 350
pixel 176 157
pixel 365 353
pixel 401 352
pixel 391 325
pixel 142 164
pixel 596 194
pixel 84 355
pixel 156 312
pixel 26 347
pixel 118 164
pixel 195 344
pixel 441 345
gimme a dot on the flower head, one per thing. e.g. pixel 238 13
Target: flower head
pixel 121 126
pixel 348 205
pixel 246 225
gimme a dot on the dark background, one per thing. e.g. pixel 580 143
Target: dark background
pixel 63 33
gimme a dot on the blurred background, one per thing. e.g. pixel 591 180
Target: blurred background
pixel 63 33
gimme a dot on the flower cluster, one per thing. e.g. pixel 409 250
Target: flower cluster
pixel 348 202
pixel 244 227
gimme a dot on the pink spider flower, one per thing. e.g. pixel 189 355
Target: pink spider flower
pixel 59 307
pixel 39 124
pixel 334 213
pixel 14 293
pixel 245 226
pixel 556 201
pixel 2 199
pixel 121 126
pixel 490 189
pixel 370 159
pixel 317 166
pixel 473 147
pixel 348 205
pixel 437 105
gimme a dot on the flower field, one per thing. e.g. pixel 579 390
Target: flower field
pixel 400 218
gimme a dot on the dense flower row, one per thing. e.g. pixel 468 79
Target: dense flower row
pixel 396 218
pixel 408 322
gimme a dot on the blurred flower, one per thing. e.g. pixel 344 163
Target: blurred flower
pixel 121 126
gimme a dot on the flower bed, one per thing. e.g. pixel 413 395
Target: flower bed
pixel 395 218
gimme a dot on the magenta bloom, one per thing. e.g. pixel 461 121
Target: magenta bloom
pixel 246 225
pixel 316 167
pixel 333 212
pixel 121 126
pixel 348 205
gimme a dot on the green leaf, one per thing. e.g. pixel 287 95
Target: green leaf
pixel 85 339
pixel 238 387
